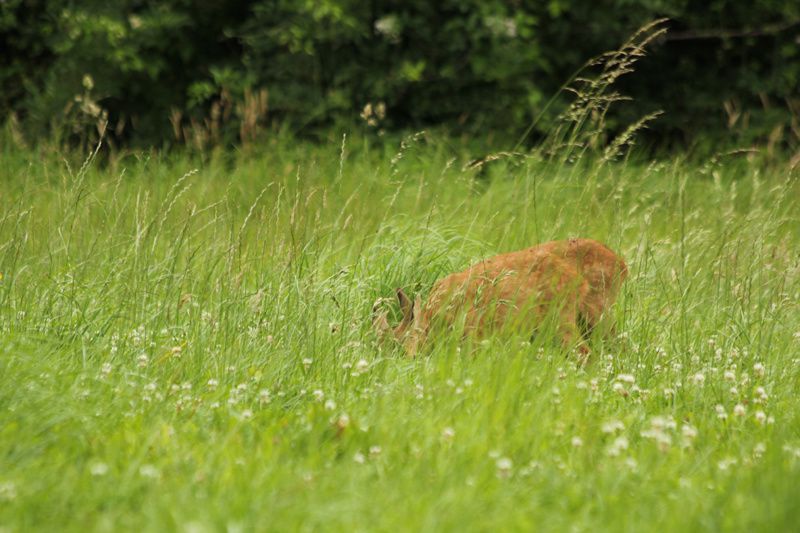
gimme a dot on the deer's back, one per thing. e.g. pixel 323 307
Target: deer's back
pixel 496 289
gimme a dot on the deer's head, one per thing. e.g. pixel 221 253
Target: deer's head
pixel 409 331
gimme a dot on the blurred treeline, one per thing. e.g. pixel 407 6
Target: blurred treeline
pixel 213 72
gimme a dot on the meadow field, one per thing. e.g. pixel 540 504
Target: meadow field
pixel 185 344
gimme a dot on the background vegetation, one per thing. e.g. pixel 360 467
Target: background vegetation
pixel 209 73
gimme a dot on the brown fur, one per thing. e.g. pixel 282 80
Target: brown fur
pixel 576 281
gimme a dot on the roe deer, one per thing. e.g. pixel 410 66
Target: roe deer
pixel 576 281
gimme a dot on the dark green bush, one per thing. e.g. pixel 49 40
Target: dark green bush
pixel 215 72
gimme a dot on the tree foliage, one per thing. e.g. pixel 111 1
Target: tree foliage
pixel 209 72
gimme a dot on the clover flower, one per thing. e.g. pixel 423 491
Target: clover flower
pixel 619 445
pixel 98 468
pixel 504 466
pixel 698 379
pixel 612 426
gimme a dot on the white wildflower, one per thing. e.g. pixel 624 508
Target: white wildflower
pixel 362 366
pixel 759 449
pixel 149 471
pixel 98 468
pixel 658 431
pixel 343 421
pixel 689 434
pixel 504 466
pixel 663 422
pixel 264 396
pixel 612 426
pixel 793 450
pixel 137 335
pixel 8 491
pixel 619 445
pixel 761 394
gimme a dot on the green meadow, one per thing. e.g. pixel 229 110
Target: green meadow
pixel 186 344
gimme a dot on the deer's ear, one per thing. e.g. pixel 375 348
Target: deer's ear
pixel 417 311
pixel 405 305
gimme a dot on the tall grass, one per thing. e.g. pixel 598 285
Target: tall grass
pixel 186 345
